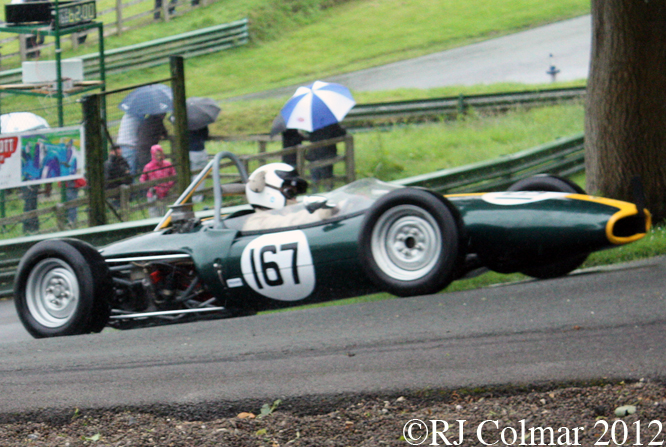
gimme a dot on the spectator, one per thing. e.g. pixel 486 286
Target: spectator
pixel 29 193
pixel 70 167
pixel 198 155
pixel 291 137
pixel 117 171
pixel 128 139
pixel 158 168
pixel 158 8
pixel 149 133
pixel 324 153
pixel 72 193
pixel 31 40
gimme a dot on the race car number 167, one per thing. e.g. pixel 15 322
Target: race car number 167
pixel 279 266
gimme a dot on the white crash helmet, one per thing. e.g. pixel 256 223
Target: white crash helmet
pixel 272 185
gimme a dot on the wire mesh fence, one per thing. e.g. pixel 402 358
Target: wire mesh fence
pixel 40 208
pixel 138 151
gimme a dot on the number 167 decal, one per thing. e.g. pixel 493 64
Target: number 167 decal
pixel 279 266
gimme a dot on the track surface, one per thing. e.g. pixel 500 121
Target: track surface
pixel 523 57
pixel 585 326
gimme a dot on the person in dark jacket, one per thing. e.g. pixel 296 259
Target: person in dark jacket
pixel 324 173
pixel 149 133
pixel 116 169
pixel 290 138
pixel 198 156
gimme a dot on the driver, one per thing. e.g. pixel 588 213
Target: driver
pixel 275 186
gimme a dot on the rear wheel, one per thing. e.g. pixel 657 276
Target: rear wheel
pixel 547 182
pixel 410 243
pixel 552 183
pixel 61 288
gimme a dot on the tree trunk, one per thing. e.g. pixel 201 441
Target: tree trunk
pixel 625 120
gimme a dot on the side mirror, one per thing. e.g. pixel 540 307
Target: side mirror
pixel 314 203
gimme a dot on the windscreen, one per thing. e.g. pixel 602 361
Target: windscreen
pixel 343 202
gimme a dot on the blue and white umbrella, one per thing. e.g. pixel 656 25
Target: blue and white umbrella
pixel 153 99
pixel 317 105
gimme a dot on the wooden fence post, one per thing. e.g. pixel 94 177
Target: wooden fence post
pixel 94 142
pixel 181 141
pixel 124 207
pixel 350 164
pixel 119 17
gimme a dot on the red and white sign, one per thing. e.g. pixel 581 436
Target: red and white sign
pixel 8 146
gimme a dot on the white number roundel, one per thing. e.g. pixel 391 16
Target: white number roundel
pixel 279 266
pixel 520 197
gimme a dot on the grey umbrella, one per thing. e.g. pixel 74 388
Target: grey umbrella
pixel 278 125
pixel 201 112
pixel 154 99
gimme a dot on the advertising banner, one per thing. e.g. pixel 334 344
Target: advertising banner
pixel 41 156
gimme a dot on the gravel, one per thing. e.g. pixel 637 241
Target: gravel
pixel 555 414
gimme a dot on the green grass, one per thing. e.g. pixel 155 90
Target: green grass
pixel 403 151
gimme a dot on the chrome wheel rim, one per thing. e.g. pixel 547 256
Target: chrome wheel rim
pixel 52 292
pixel 406 243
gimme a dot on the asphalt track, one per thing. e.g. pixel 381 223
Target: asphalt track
pixel 584 326
pixel 524 57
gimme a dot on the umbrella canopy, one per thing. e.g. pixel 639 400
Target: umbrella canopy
pixel 153 99
pixel 278 125
pixel 21 122
pixel 317 105
pixel 201 112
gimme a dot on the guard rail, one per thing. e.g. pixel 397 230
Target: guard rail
pixel 157 52
pixel 454 105
pixel 563 157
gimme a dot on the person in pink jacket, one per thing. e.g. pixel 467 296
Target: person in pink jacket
pixel 157 168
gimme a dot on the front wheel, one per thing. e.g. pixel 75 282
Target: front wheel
pixel 410 243
pixel 61 289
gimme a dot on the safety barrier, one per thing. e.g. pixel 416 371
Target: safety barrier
pixel 157 52
pixel 563 157
pixel 454 105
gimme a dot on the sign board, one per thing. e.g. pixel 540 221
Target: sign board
pixel 30 12
pixel 73 13
pixel 69 12
pixel 41 156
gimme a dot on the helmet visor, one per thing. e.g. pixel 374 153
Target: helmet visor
pixel 292 184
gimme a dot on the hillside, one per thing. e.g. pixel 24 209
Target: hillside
pixel 296 40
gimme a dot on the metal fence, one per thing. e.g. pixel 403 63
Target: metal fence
pixel 362 114
pixel 157 52
pixel 563 157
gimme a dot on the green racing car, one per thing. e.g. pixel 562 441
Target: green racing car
pixel 374 237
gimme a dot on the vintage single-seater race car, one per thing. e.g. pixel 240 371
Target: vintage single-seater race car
pixel 373 237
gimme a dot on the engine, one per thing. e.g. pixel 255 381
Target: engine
pixel 156 290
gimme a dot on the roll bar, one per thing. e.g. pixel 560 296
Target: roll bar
pixel 213 165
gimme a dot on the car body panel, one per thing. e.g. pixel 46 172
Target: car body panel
pixel 315 261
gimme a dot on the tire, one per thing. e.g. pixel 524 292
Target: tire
pixel 61 288
pixel 410 242
pixel 548 182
